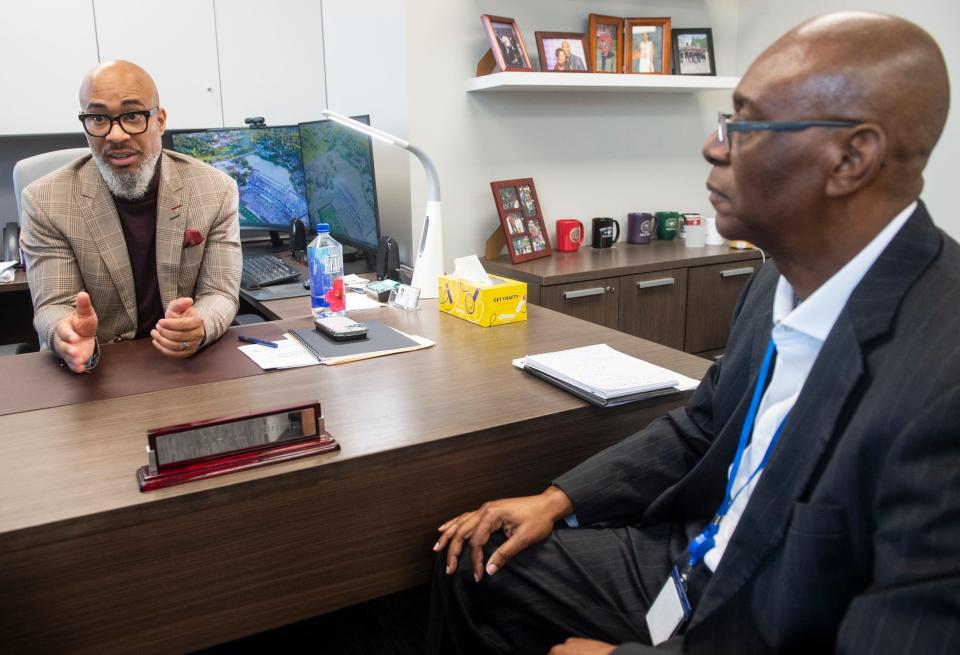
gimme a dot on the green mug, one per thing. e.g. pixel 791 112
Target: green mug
pixel 667 225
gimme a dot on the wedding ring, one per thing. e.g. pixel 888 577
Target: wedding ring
pixel 184 345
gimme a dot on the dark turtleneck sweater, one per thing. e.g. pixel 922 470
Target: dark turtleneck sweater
pixel 138 218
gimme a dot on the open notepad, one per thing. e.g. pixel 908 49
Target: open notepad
pixel 604 376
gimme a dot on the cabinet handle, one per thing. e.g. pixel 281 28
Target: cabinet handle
pixel 583 293
pixel 736 272
pixel 662 282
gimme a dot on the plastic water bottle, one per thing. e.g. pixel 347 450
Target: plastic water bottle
pixel 325 258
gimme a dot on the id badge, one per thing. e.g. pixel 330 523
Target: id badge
pixel 670 610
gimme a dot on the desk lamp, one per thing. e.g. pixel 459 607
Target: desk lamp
pixel 429 264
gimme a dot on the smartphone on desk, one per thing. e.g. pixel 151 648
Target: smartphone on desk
pixel 340 328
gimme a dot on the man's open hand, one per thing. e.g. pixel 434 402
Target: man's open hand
pixel 180 332
pixel 74 337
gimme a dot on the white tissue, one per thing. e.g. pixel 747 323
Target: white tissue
pixel 470 269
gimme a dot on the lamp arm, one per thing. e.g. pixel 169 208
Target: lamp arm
pixel 433 179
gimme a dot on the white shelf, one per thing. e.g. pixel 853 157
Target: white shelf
pixel 623 83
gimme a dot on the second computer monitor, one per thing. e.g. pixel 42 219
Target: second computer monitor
pixel 265 162
pixel 340 184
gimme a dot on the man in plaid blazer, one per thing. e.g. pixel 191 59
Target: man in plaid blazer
pixel 132 240
pixel 806 499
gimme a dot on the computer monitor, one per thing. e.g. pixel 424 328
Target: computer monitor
pixel 267 164
pixel 340 183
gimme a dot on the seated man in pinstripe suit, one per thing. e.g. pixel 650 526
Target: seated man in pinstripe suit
pixel 806 499
pixel 130 241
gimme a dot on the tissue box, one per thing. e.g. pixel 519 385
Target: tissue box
pixel 504 302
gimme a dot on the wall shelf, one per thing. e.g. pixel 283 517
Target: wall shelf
pixel 521 81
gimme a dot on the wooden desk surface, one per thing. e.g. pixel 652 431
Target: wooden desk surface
pixel 90 564
pixel 19 283
pixel 623 259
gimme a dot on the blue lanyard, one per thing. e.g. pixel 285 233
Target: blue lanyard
pixel 703 542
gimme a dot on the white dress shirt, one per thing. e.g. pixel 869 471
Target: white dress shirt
pixel 798 332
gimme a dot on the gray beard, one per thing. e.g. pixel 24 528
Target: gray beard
pixel 130 185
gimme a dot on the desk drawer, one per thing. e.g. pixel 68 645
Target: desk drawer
pixel 652 306
pixel 594 301
pixel 712 295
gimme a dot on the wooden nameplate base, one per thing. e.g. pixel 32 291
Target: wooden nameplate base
pixel 204 449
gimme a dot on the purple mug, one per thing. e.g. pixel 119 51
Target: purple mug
pixel 640 227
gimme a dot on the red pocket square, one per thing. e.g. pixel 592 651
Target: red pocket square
pixel 192 237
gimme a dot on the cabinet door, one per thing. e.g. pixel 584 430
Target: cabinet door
pixel 652 306
pixel 176 42
pixel 46 47
pixel 594 301
pixel 271 60
pixel 711 297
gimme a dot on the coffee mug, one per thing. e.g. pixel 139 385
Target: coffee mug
pixel 603 232
pixel 640 227
pixel 667 225
pixel 569 235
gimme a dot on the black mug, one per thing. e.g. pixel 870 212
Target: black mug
pixel 603 232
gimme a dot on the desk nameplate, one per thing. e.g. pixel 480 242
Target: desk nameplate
pixel 203 449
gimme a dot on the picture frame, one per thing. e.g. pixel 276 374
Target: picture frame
pixel 521 219
pixel 605 34
pixel 693 51
pixel 563 52
pixel 506 43
pixel 646 46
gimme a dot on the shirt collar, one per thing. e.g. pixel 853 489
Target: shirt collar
pixel 816 315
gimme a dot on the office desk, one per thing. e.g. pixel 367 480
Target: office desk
pixel 90 564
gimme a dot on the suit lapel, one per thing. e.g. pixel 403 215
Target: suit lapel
pixel 813 423
pixel 171 223
pixel 100 216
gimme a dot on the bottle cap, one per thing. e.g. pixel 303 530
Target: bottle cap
pixel 323 227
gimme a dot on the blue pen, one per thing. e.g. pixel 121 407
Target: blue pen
pixel 259 342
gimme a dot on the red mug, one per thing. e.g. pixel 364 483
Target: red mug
pixel 569 235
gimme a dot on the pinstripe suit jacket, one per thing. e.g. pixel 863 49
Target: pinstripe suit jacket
pixel 73 241
pixel 851 539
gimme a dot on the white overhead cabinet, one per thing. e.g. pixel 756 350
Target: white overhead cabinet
pixel 215 62
pixel 271 60
pixel 46 46
pixel 175 41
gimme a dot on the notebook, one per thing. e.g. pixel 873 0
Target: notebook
pixel 604 376
pixel 380 340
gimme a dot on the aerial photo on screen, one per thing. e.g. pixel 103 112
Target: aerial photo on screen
pixel 338 164
pixel 266 164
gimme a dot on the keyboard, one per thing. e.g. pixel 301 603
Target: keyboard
pixel 264 270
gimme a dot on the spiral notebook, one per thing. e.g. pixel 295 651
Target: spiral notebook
pixel 380 340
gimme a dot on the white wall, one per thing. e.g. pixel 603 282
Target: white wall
pixel 590 154
pixel 761 22
pixel 366 74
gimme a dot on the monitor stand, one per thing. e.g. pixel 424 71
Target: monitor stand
pixel 275 243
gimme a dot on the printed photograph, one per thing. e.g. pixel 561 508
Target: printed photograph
pixel 506 43
pixel 536 235
pixel 515 222
pixel 508 198
pixel 562 51
pixel 693 52
pixel 605 35
pixel 648 45
pixel 522 245
pixel 526 197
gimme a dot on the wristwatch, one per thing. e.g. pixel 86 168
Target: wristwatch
pixel 94 358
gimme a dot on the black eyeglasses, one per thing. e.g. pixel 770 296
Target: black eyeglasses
pixel 131 122
pixel 725 125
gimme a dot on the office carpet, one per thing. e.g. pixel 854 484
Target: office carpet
pixel 392 625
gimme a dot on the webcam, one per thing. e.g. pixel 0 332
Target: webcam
pixel 255 121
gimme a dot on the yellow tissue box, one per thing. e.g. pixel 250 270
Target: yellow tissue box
pixel 503 302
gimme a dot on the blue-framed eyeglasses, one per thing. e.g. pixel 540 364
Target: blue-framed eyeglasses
pixel 726 125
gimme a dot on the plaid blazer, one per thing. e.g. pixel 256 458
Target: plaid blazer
pixel 73 241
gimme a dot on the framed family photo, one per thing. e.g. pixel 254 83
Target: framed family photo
pixel 562 52
pixel 521 219
pixel 693 51
pixel 506 43
pixel 606 45
pixel 647 46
